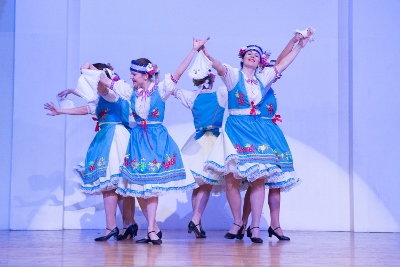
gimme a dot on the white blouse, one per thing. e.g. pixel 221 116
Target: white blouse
pixel 142 104
pixel 187 97
pixel 231 78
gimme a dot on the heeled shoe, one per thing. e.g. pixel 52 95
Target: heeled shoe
pixel 114 232
pixel 192 227
pixel 147 240
pixel 154 241
pixel 202 231
pixel 280 237
pixel 250 234
pixel 237 235
pixel 241 234
pixel 130 232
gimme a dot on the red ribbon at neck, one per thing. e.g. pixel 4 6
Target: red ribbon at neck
pixel 276 118
pixel 97 124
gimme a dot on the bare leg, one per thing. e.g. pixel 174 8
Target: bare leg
pixel 274 202
pixel 151 206
pixel 143 206
pixel 200 202
pixel 110 199
pixel 128 211
pixel 235 201
pixel 246 208
pixel 257 197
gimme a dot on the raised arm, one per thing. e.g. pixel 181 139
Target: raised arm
pixel 82 110
pixel 288 47
pixel 216 64
pixel 197 44
pixel 286 61
pixel 104 82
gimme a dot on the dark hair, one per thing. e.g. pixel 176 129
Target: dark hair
pixel 102 66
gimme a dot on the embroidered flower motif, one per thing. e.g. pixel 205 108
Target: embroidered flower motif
pixel 240 98
pixel 247 148
pixel 103 113
pixel 155 113
pixel 92 165
pixel 153 165
pixel 262 148
pixel 170 161
pixel 101 162
pixel 270 109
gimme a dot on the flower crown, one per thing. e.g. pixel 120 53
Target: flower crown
pixel 150 68
pixel 108 66
pixel 210 78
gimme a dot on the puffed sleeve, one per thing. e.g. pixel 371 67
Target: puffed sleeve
pixel 231 77
pixel 111 96
pixel 167 86
pixel 122 89
pixel 222 96
pixel 186 97
pixel 267 76
pixel 91 106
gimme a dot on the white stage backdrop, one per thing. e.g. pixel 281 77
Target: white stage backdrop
pixel 338 101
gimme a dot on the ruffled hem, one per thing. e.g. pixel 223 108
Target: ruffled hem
pixel 154 191
pixel 100 186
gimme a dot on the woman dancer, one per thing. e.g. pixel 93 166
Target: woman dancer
pixel 207 108
pixel 153 164
pixel 242 150
pixel 105 154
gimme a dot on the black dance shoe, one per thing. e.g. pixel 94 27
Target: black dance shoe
pixel 147 239
pixel 238 235
pixel 156 241
pixel 202 231
pixel 280 237
pixel 193 228
pixel 250 234
pixel 114 232
pixel 130 232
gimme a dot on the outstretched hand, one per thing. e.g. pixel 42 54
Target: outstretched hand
pixel 65 92
pixel 52 108
pixel 197 43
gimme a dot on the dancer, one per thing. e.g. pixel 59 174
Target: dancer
pixel 207 108
pixel 268 108
pixel 100 175
pixel 153 164
pixel 242 150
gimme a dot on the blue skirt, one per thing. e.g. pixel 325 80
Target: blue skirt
pixel 252 148
pixel 153 164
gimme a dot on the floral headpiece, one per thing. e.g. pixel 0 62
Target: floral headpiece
pixel 264 55
pixel 150 68
pixel 207 81
pixel 108 65
pixel 110 70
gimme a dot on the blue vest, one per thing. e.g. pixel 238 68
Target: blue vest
pixel 157 107
pixel 207 114
pixel 237 97
pixel 268 105
pixel 113 111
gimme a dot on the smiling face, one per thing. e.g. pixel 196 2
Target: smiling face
pixel 251 59
pixel 139 79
